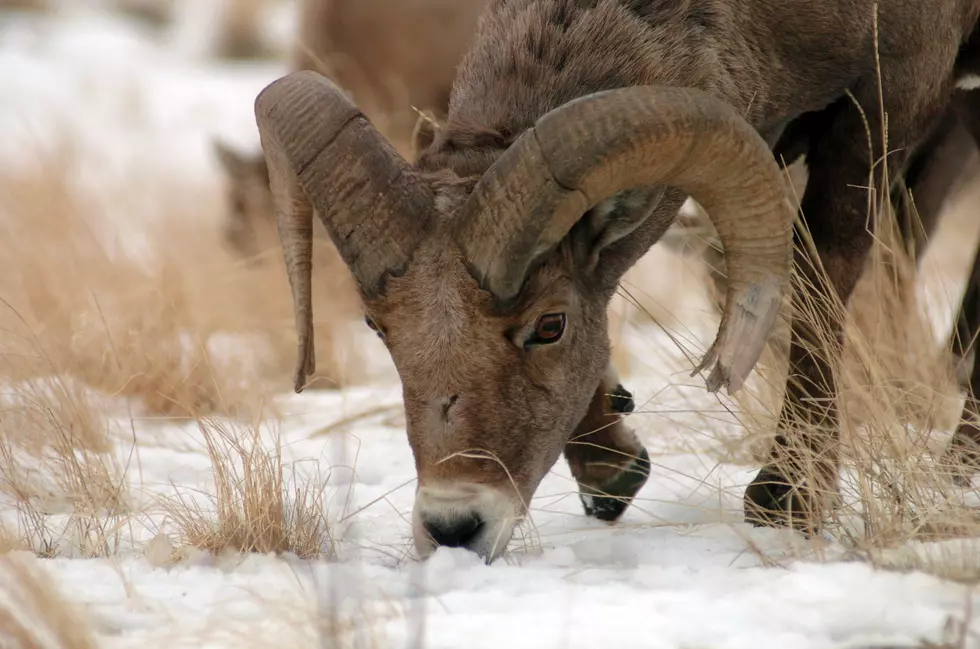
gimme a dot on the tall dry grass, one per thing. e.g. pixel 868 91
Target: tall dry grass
pixel 186 330
pixel 258 503
pixel 897 400
pixel 67 494
pixel 67 491
pixel 901 401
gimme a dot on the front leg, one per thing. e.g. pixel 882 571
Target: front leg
pixel 964 450
pixel 802 475
pixel 604 455
pixel 963 454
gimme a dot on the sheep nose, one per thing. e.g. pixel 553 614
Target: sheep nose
pixel 465 515
pixel 455 532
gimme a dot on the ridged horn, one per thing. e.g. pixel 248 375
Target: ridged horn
pixel 583 152
pixel 323 154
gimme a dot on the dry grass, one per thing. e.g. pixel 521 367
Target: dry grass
pixel 94 337
pixel 897 403
pixel 55 461
pixel 258 505
pixel 69 496
pixel 33 614
pixel 898 400
pixel 145 329
pixel 896 389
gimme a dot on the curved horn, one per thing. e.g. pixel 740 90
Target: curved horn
pixel 323 153
pixel 593 147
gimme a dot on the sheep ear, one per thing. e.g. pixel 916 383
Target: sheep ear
pixel 619 217
pixel 234 163
pixel 241 166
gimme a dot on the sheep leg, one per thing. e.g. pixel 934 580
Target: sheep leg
pixel 963 453
pixel 931 176
pixel 964 331
pixel 604 455
pixel 802 474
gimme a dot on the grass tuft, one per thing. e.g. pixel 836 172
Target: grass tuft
pixel 257 504
pixel 67 490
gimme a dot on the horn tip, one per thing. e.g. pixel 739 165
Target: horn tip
pixel 305 367
pixel 745 329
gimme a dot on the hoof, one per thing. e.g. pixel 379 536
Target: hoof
pixel 771 501
pixel 621 400
pixel 962 479
pixel 609 501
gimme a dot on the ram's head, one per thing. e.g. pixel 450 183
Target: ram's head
pixel 493 303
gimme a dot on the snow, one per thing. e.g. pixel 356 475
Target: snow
pixel 679 570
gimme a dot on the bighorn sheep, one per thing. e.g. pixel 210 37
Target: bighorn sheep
pixel 576 129
pixel 392 57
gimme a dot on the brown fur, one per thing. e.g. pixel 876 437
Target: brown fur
pixel 506 402
pixel 468 384
pixel 775 65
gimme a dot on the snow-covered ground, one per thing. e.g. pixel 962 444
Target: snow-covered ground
pixel 679 570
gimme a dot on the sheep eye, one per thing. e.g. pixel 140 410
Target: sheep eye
pixel 548 329
pixel 374 327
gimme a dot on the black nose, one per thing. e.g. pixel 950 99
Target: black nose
pixel 454 532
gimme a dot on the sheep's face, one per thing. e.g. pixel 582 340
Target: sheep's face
pixel 249 224
pixel 489 279
pixel 491 393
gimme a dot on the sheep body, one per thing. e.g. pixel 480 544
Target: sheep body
pixel 576 129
